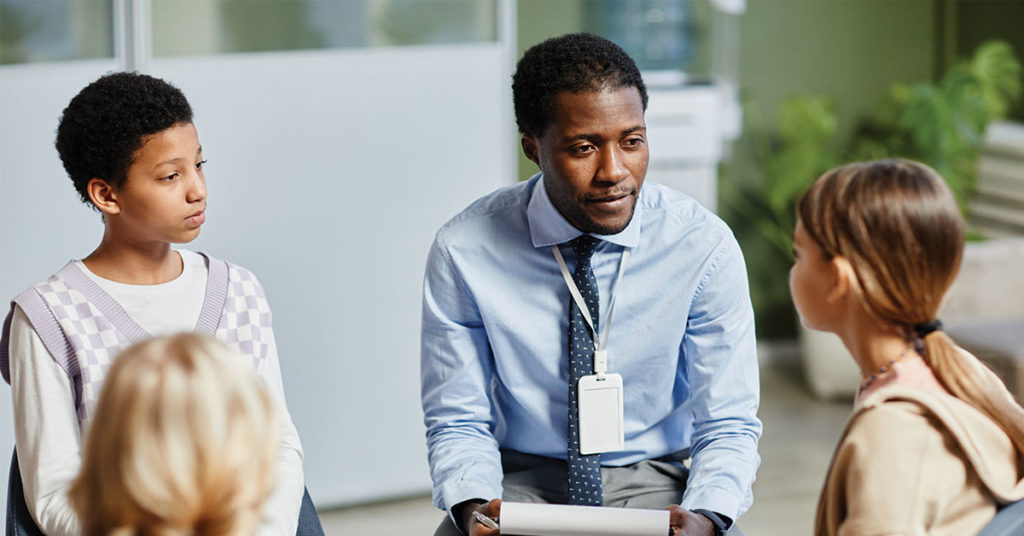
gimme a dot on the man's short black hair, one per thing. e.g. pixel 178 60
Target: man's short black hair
pixel 109 120
pixel 575 63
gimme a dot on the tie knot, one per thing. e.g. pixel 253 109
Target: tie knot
pixel 584 246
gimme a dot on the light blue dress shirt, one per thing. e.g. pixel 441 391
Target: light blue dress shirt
pixel 494 354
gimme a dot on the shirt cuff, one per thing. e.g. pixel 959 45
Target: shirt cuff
pixel 721 522
pixel 718 500
pixel 454 494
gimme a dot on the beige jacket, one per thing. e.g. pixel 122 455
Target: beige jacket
pixel 918 462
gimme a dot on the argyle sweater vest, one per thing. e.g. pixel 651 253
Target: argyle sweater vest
pixel 84 329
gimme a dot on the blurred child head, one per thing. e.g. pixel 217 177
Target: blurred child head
pixel 182 443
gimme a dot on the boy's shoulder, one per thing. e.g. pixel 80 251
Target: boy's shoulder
pixel 71 301
pixel 73 288
pixel 72 284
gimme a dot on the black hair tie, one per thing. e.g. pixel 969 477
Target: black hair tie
pixel 925 328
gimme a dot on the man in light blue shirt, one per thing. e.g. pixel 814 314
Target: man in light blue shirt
pixel 496 316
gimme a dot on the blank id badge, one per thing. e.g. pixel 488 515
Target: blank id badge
pixel 601 420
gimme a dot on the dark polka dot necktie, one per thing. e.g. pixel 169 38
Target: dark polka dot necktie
pixel 584 471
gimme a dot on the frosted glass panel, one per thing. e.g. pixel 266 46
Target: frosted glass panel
pixel 55 30
pixel 225 26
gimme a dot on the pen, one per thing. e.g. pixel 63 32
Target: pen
pixel 485 521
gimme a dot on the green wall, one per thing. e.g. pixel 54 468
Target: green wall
pixel 848 50
pixel 541 19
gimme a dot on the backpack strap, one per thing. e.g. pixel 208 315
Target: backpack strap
pixel 49 331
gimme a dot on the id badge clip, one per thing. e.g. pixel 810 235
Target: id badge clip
pixel 601 413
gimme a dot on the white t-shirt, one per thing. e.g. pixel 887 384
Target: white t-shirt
pixel 167 308
pixel 46 429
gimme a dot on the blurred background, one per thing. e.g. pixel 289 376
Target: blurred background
pixel 341 134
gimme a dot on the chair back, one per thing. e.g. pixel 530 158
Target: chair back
pixel 309 520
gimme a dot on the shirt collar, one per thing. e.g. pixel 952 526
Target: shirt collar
pixel 548 227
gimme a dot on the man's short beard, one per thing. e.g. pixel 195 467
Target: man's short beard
pixel 582 221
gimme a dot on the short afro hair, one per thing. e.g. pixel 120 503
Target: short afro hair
pixel 575 63
pixel 109 120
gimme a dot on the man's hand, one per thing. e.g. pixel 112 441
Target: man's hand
pixel 686 523
pixel 464 513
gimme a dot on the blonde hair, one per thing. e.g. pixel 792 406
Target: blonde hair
pixel 899 226
pixel 182 443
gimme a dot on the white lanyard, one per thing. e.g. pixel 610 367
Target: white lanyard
pixel 600 344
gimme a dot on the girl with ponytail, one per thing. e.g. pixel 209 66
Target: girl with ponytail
pixel 935 443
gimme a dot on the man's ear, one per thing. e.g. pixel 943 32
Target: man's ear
pixel 843 279
pixel 530 146
pixel 103 196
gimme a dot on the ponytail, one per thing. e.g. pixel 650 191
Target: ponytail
pixel 968 379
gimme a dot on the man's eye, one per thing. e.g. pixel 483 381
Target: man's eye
pixel 582 149
pixel 170 177
pixel 634 142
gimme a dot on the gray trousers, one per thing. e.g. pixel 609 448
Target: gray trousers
pixel 652 484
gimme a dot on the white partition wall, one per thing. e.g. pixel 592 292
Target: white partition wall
pixel 329 172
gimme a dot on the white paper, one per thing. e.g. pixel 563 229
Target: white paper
pixel 527 519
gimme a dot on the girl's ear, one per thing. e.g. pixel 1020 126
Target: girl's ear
pixel 103 196
pixel 843 279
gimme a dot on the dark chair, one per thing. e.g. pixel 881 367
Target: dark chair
pixel 309 521
pixel 20 522
pixel 1009 521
